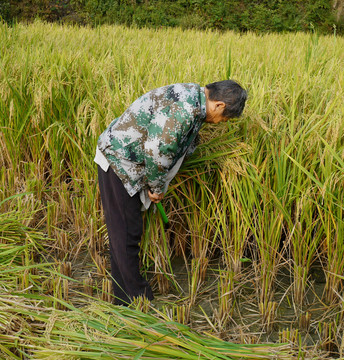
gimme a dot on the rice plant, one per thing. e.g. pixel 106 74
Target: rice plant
pixel 100 330
pixel 256 213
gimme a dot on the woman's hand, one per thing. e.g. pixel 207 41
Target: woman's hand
pixel 154 197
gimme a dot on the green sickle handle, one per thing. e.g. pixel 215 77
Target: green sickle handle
pixel 162 212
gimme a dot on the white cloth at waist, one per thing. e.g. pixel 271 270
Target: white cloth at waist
pixel 102 161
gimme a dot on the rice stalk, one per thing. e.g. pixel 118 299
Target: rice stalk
pixel 101 329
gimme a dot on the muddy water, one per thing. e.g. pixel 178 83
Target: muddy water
pixel 305 324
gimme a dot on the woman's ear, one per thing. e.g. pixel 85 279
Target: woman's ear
pixel 220 106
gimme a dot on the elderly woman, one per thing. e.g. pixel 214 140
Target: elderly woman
pixel 138 155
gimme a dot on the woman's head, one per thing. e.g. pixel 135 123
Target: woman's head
pixel 225 100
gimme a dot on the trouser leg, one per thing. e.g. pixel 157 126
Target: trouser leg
pixel 124 224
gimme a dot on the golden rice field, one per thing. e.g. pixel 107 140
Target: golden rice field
pixel 254 252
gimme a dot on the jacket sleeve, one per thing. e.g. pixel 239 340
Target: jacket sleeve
pixel 191 149
pixel 161 148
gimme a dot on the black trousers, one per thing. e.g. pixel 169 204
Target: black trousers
pixel 124 225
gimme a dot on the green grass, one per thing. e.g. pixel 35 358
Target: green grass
pixel 255 215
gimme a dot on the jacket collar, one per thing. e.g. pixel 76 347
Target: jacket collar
pixel 202 103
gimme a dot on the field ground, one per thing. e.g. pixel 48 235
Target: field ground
pixel 254 251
